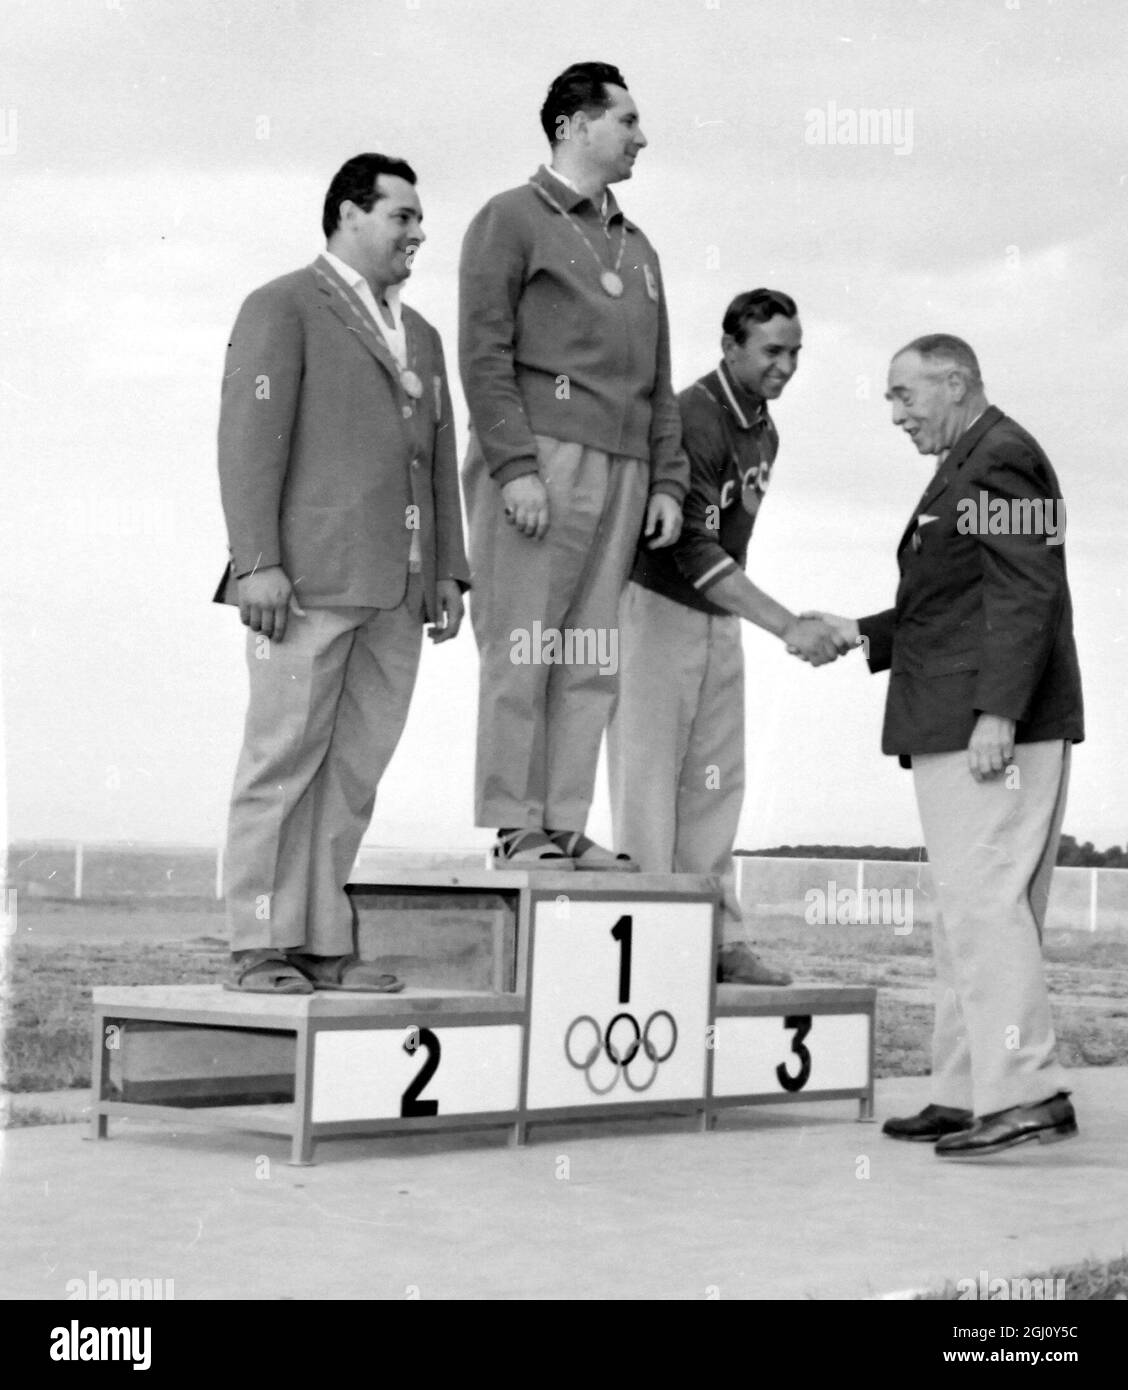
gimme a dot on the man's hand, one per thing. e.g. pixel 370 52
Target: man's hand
pixel 450 611
pixel 813 640
pixel 526 504
pixel 990 747
pixel 663 520
pixel 266 598
pixel 845 629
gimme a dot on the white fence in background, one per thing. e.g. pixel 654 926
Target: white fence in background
pixel 1081 899
pixel 768 888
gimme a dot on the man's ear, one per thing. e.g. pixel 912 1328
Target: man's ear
pixel 957 386
pixel 727 342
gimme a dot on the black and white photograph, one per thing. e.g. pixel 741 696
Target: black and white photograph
pixel 564 664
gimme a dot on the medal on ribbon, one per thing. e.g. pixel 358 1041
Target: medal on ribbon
pixel 610 280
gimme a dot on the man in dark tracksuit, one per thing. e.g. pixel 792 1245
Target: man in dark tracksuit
pixel 676 742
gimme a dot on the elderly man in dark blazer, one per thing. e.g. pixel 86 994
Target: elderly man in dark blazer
pixel 984 704
pixel 340 490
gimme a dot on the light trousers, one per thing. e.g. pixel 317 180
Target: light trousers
pixel 991 847
pixel 545 616
pixel 675 744
pixel 327 707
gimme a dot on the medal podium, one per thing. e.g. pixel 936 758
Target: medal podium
pixel 540 997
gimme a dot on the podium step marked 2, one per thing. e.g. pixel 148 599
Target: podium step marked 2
pixel 604 1002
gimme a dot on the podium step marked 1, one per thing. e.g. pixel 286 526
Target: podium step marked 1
pixel 603 1002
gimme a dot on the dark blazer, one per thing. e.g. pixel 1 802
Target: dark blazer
pixel 983 623
pixel 326 464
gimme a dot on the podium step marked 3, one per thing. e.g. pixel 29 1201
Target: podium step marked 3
pixel 604 1002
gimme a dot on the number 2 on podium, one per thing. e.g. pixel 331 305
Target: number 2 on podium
pixel 410 1104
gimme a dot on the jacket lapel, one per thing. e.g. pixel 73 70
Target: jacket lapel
pixel 347 306
pixel 419 357
pixel 950 467
pixel 970 438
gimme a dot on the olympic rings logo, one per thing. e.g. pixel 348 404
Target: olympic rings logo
pixel 621 1060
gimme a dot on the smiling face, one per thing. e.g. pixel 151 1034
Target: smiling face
pixel 928 400
pixel 611 142
pixel 382 243
pixel 768 358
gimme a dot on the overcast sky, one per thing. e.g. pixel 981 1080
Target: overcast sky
pixel 161 160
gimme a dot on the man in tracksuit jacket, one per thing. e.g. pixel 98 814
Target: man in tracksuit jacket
pixel 676 741
pixel 574 451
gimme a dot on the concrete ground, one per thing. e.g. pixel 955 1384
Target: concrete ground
pixel 785 1202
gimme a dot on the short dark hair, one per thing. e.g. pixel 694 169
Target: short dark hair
pixel 582 87
pixel 946 347
pixel 756 306
pixel 355 182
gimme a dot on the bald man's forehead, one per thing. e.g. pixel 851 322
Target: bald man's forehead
pixel 906 363
pixel 905 372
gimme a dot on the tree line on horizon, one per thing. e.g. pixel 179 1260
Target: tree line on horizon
pixel 1070 854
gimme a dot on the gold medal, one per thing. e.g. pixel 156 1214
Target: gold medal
pixel 411 384
pixel 611 280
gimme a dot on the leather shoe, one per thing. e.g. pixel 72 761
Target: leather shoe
pixel 1049 1122
pixel 933 1122
pixel 738 964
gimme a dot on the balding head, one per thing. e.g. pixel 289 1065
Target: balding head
pixel 945 352
pixel 936 390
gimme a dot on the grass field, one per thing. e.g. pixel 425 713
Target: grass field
pixel 1093 1279
pixel 62 950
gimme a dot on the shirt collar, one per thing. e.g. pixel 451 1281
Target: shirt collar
pixel 942 456
pixel 355 280
pixel 609 209
pixel 750 410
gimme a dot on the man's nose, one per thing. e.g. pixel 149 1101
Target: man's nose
pixel 898 413
pixel 420 234
pixel 639 139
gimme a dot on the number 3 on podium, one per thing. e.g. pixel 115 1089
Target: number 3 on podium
pixel 801 1023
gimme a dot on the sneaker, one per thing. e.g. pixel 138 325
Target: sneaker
pixel 738 964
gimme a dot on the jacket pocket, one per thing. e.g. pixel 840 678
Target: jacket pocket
pixel 949 663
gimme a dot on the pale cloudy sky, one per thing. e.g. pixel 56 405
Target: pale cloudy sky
pixel 161 159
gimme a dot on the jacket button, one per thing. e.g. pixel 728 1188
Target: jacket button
pixel 407 412
pixel 415 463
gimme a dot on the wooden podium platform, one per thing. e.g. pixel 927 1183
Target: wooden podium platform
pixel 601 1001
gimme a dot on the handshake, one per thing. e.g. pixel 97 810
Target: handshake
pixel 821 637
